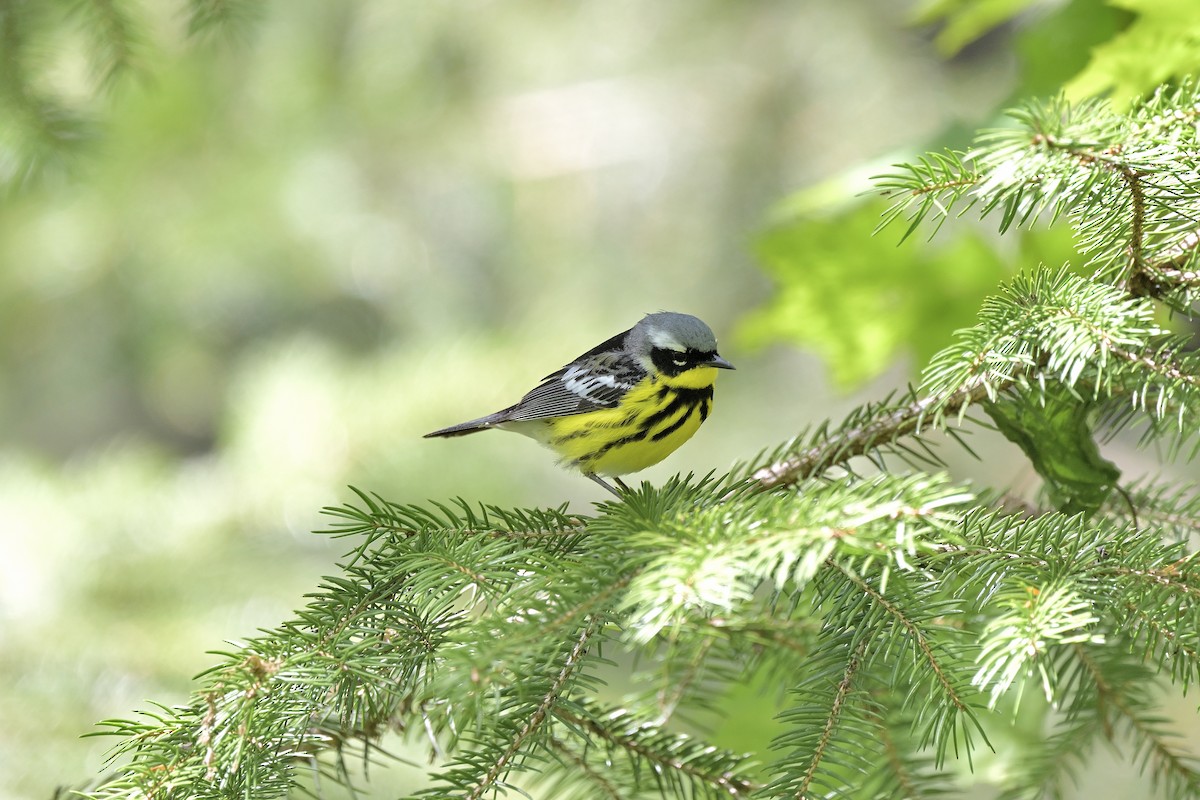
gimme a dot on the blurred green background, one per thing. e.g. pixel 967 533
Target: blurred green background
pixel 290 249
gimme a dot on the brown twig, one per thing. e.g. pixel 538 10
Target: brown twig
pixel 731 784
pixel 918 636
pixel 842 447
pixel 569 667
pixel 831 723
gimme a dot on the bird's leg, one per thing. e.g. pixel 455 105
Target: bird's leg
pixel 605 483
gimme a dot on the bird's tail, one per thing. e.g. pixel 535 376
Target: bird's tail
pixel 471 426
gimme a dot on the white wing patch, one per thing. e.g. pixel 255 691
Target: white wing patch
pixel 579 388
pixel 595 387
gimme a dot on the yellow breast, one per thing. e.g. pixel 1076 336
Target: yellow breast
pixel 652 420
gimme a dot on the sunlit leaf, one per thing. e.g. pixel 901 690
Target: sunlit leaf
pixel 1055 430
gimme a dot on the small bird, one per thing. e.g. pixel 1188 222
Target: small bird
pixel 622 406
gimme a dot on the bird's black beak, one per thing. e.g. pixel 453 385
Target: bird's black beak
pixel 719 363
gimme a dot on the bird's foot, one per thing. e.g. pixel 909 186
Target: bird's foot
pixel 608 485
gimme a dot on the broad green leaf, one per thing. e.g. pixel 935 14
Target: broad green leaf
pixel 1162 43
pixel 859 300
pixel 1054 429
pixel 1060 45
pixel 964 21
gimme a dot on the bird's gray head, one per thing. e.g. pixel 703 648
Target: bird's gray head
pixel 674 343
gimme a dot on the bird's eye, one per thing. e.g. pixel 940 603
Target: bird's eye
pixel 679 361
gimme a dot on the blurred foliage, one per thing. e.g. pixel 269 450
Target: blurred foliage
pixel 845 294
pixel 1119 48
pixel 1060 42
pixel 848 294
pixel 59 60
pixel 965 21
pixel 833 293
pixel 1161 44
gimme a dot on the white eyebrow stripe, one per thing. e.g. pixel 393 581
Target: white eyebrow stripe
pixel 664 340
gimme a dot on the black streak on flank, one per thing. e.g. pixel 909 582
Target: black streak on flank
pixel 674 426
pixel 685 400
pixel 682 399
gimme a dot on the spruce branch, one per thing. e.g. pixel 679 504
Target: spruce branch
pixel 1053 762
pixel 118 37
pixel 814 744
pixel 1066 327
pixel 896 763
pixel 910 626
pixel 46 130
pixel 794 635
pixel 540 714
pixel 1137 223
pixel 666 755
pixel 579 764
pixel 1124 704
pixel 225 16
pixel 1059 157
pixel 933 183
pixel 905 772
pixel 1170 512
pixel 1170 641
pixel 678 686
pixel 1172 270
pixel 882 428
pixel 1162 364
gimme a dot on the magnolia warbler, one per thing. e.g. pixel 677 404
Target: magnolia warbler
pixel 622 406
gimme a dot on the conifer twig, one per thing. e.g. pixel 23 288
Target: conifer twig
pixel 845 445
pixel 594 776
pixel 895 762
pixel 918 636
pixel 733 785
pixel 1145 279
pixel 1170 271
pixel 1178 256
pixel 1167 761
pixel 535 721
pixel 831 722
pixel 670 697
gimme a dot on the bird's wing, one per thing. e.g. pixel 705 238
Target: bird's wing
pixel 598 380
